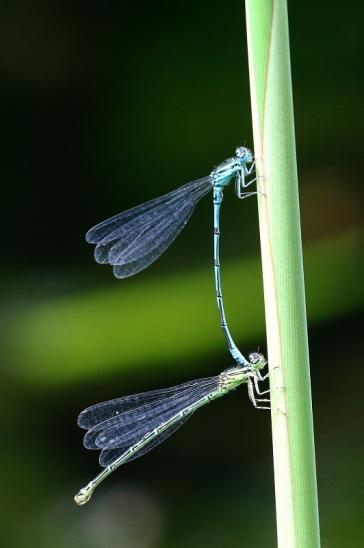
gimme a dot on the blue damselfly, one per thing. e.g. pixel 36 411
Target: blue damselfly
pixel 132 240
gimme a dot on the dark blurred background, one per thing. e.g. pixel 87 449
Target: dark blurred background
pixel 107 105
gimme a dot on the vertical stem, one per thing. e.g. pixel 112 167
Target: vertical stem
pixel 280 233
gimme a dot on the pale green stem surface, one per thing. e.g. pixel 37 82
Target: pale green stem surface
pixel 274 146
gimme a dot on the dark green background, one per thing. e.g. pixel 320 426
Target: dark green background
pixel 105 105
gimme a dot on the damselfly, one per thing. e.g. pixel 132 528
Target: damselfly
pixel 132 240
pixel 127 428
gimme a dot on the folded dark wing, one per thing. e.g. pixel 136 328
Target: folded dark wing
pixel 136 238
pixel 116 226
pixel 98 413
pixel 116 439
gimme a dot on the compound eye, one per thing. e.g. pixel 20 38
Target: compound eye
pixel 241 152
pixel 254 357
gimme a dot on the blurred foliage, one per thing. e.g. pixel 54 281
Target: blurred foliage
pixel 107 105
pixel 91 333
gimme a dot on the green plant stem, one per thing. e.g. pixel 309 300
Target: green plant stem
pixel 274 143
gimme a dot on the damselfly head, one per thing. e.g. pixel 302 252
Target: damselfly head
pixel 257 360
pixel 244 155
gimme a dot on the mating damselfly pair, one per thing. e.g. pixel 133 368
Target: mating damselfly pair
pixel 127 428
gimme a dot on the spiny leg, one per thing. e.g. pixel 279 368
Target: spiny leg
pixel 253 399
pixel 262 377
pixel 250 169
pixel 257 389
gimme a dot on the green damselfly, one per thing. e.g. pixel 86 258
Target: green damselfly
pixel 127 428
